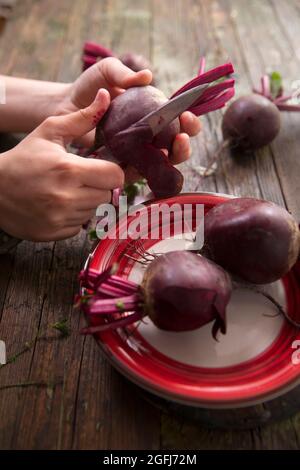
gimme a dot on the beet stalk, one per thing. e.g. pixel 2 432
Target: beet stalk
pixel 181 291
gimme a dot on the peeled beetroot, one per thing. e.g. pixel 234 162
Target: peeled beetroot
pixel 251 122
pixel 180 291
pixel 163 179
pixel 253 239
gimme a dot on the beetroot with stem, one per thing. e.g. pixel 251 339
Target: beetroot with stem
pixel 253 121
pixel 136 146
pixel 181 291
pixel 253 239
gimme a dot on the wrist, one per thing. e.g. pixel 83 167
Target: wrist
pixel 7 241
pixel 53 100
pixel 29 103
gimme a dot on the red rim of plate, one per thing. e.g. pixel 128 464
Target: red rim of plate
pixel 266 376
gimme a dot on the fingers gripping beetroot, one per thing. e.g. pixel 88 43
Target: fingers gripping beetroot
pixel 180 291
pixel 137 147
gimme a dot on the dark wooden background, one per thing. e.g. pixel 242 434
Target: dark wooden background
pixel 86 404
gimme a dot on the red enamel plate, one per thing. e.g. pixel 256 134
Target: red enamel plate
pixel 255 361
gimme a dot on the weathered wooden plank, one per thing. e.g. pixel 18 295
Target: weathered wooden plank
pixel 25 300
pixel 50 360
pixel 94 407
pixel 105 415
pixel 255 175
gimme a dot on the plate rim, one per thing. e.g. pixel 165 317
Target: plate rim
pixel 150 386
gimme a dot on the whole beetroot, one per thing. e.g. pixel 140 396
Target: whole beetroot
pixel 181 291
pixel 135 62
pixel 184 292
pixel 253 239
pixel 251 122
pixel 93 52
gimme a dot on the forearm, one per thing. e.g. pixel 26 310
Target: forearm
pixel 28 103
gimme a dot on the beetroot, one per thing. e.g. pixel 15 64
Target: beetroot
pixel 136 146
pixel 121 109
pixel 253 239
pixel 135 62
pixel 251 122
pixel 180 291
pixel 93 52
pixel 163 179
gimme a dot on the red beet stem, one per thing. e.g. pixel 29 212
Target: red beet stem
pixel 214 104
pixel 106 291
pixel 288 107
pixel 265 86
pixel 281 101
pixel 125 321
pixel 115 196
pixel 127 285
pixel 97 50
pixel 91 279
pixel 110 306
pixel 207 77
pixel 214 91
pixel 88 61
pixel 110 289
pixel 201 65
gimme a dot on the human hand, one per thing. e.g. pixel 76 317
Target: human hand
pixel 112 74
pixel 47 193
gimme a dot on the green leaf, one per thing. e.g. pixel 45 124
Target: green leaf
pixel 131 190
pixel 93 235
pixel 275 84
pixel 62 327
pixel 120 305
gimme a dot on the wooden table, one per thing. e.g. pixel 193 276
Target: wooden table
pixel 86 404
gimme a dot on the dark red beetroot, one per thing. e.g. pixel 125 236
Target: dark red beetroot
pixel 253 239
pixel 251 122
pixel 126 109
pixel 93 52
pixel 135 62
pixel 130 107
pixel 180 291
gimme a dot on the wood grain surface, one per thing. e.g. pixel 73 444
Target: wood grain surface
pixel 78 400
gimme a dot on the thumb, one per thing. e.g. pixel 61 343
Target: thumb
pixel 74 125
